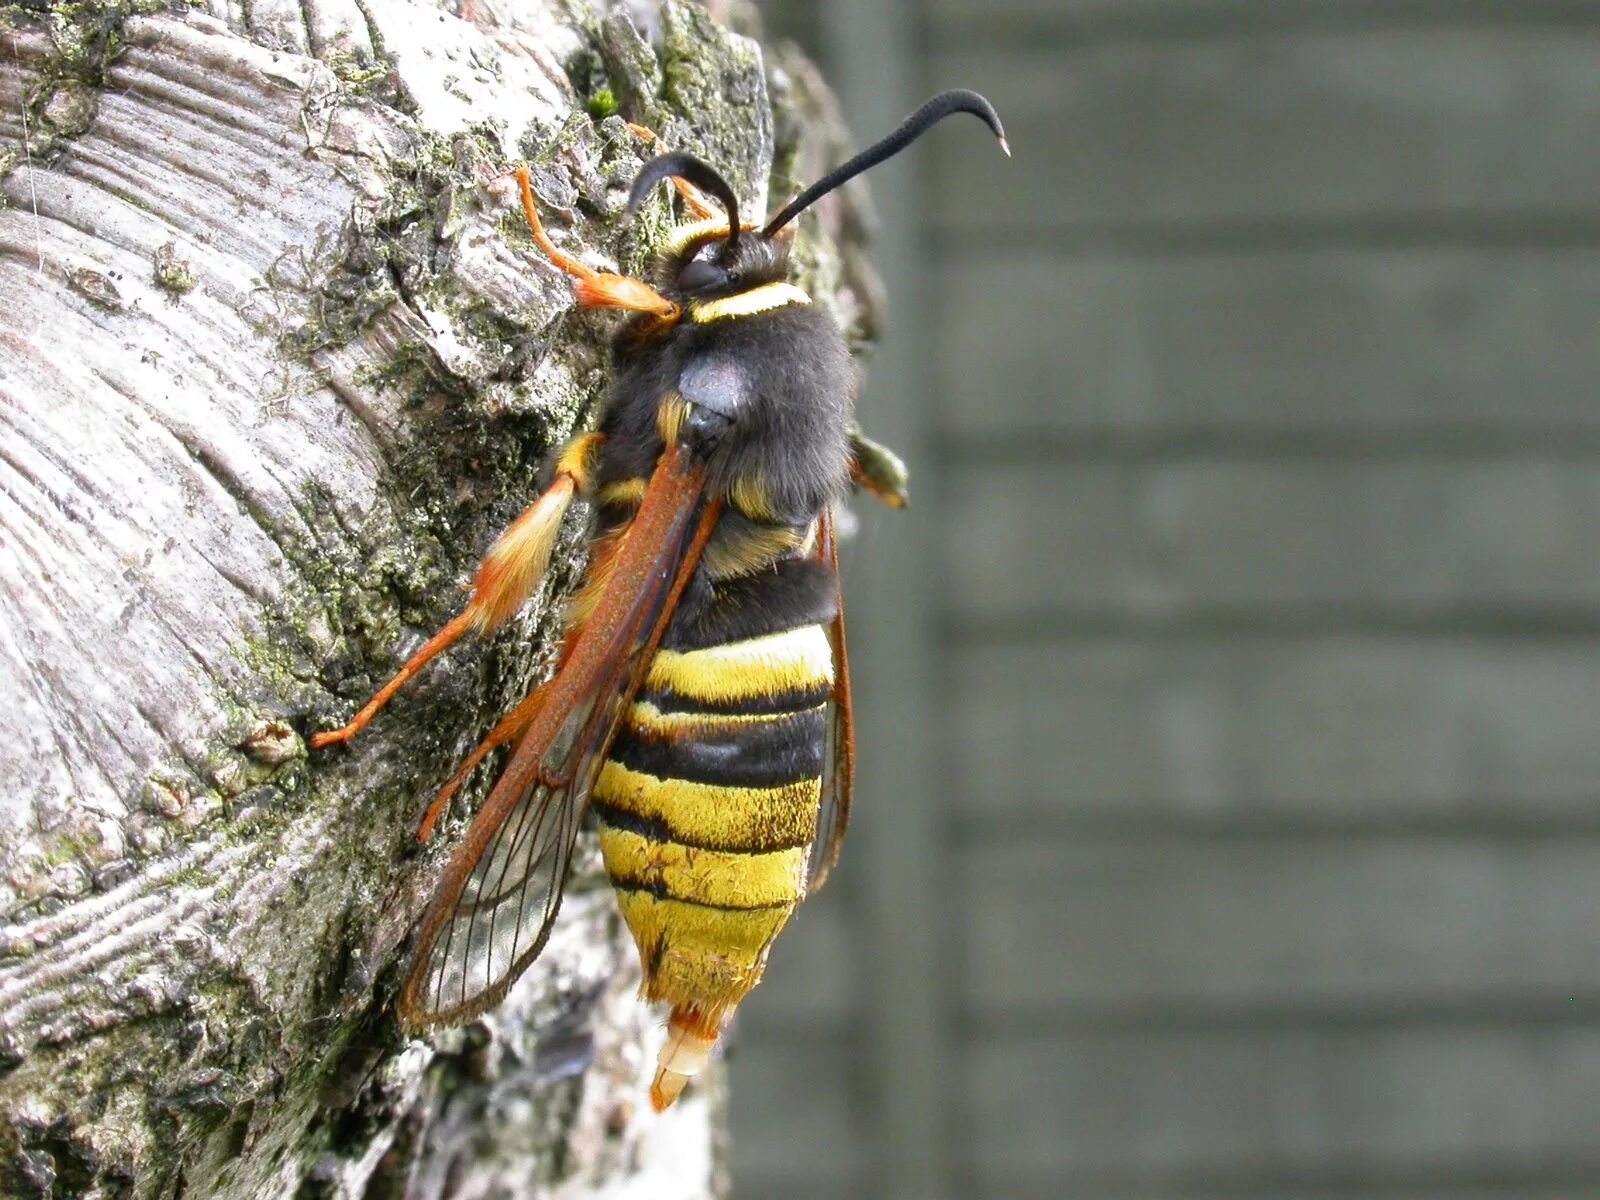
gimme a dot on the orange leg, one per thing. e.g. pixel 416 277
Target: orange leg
pixel 701 205
pixel 511 726
pixel 531 213
pixel 594 289
pixel 442 640
pixel 506 578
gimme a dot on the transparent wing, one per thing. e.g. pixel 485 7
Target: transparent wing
pixel 502 888
pixel 499 917
pixel 839 765
pixel 503 915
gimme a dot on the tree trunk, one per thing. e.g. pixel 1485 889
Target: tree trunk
pixel 278 361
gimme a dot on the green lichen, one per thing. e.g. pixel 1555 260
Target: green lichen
pixel 223 1072
pixel 357 73
pixel 172 272
pixel 188 1068
pixel 348 279
pixel 715 83
pixel 194 877
pixel 84 37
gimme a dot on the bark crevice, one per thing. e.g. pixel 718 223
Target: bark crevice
pixel 278 361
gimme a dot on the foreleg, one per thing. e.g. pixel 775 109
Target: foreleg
pixel 594 289
pixel 506 577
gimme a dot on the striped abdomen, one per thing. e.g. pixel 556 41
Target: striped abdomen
pixel 708 800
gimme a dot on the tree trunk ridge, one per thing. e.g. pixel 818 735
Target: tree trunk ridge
pixel 278 362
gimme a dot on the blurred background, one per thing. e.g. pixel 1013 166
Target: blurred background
pixel 1230 698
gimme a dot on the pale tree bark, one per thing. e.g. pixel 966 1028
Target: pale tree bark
pixel 276 361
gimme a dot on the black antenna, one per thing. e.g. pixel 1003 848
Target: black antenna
pixel 935 110
pixel 687 166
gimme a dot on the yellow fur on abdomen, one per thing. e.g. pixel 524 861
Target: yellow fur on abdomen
pixel 708 806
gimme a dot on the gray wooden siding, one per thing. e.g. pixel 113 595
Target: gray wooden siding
pixel 1267 448
pixel 1303 136
pixel 1377 347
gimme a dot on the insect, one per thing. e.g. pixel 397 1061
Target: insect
pixel 701 706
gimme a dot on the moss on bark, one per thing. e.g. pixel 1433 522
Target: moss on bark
pixel 201 944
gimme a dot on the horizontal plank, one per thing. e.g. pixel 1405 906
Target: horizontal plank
pixel 1395 339
pixel 1531 1181
pixel 1296 1103
pixel 1315 126
pixel 791 1116
pixel 1330 727
pixel 805 1186
pixel 980 21
pixel 1362 929
pixel 1160 541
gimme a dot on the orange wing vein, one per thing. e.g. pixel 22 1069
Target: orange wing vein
pixel 839 773
pixel 500 891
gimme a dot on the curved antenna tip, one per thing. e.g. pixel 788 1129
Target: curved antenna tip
pixel 935 110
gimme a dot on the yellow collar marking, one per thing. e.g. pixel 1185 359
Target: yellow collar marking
pixel 745 304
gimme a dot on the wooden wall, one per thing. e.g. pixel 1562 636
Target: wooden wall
pixel 1267 443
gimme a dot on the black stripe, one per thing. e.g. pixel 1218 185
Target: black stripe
pixel 787 748
pixel 614 514
pixel 668 701
pixel 794 593
pixel 652 829
pixel 660 892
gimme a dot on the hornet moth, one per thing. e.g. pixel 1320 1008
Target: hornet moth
pixel 701 706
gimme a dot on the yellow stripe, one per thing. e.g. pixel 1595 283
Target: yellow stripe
pixel 623 491
pixel 580 458
pixel 750 498
pixel 706 957
pixel 736 551
pixel 669 417
pixel 757 299
pixel 794 660
pixel 718 929
pixel 724 878
pixel 647 719
pixel 741 819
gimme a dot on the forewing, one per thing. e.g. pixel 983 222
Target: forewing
pixel 839 765
pixel 501 890
pixel 501 916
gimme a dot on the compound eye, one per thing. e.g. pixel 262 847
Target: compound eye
pixel 700 275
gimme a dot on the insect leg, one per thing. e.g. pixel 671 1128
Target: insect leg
pixel 506 577
pixel 594 289
pixel 520 556
pixel 694 199
pixel 530 213
pixel 442 640
pixel 878 469
pixel 511 726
